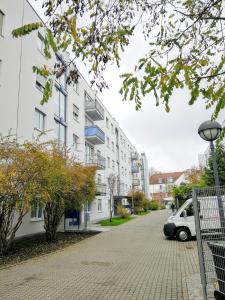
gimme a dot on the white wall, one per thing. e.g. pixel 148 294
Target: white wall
pixel 19 97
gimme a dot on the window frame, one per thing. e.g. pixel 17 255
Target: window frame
pixel 99 202
pixel 59 117
pixel 59 141
pixel 38 208
pixel 76 112
pixel 75 142
pixel 3 24
pixel 107 122
pixel 43 115
pixel 40 38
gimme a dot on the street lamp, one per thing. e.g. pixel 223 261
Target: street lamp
pixel 210 131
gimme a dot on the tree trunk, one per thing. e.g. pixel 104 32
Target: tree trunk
pixel 110 219
pixel 53 213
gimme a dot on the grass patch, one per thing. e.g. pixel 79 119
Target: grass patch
pixel 29 247
pixel 115 221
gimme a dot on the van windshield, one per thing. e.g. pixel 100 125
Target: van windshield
pixel 182 208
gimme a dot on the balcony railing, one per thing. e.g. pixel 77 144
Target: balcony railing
pixel 134 156
pixel 135 169
pixel 136 182
pixel 94 135
pixel 94 109
pixel 96 160
pixel 101 189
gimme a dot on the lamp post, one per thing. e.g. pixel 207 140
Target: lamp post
pixel 210 131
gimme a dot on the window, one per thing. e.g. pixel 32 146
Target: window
pixel 107 122
pixel 60 105
pixel 89 150
pixel 75 141
pixel 113 165
pixel 89 207
pixel 99 205
pixel 36 211
pixel 160 180
pixel 40 42
pixel 108 162
pixel 76 87
pixel 0 71
pixel 170 179
pixel 62 79
pixel 40 82
pixel 1 22
pixel 75 112
pixel 99 178
pixel 189 210
pixel 107 140
pixel 88 122
pixel 112 146
pixel 112 131
pixel 39 120
pixel 60 133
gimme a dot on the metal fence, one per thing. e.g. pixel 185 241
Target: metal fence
pixel 209 207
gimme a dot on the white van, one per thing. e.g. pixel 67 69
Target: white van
pixel 182 224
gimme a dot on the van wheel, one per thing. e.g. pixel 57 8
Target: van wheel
pixel 183 234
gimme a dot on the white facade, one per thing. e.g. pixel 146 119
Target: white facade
pixel 161 184
pixel 74 115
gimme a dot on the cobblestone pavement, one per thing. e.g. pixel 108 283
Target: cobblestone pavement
pixel 132 261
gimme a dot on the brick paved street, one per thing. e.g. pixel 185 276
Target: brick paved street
pixel 132 261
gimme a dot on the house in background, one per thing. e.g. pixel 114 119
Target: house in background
pixel 161 185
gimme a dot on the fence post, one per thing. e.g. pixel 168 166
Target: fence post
pixel 199 243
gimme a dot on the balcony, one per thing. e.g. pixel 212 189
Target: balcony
pixel 96 160
pixel 134 156
pixel 94 109
pixel 94 135
pixel 136 182
pixel 100 189
pixel 135 169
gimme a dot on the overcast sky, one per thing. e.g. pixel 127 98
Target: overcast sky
pixel 170 140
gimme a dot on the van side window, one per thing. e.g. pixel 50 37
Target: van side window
pixel 190 210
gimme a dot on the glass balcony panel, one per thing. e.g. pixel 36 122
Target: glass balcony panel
pixel 94 109
pixel 96 160
pixel 94 135
pixel 135 169
pixel 134 156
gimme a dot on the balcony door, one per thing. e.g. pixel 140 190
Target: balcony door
pixel 89 150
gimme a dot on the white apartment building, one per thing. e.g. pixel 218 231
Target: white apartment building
pixel 74 116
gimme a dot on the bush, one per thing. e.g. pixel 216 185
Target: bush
pixel 162 206
pixel 137 210
pixel 123 212
pixel 146 205
pixel 154 205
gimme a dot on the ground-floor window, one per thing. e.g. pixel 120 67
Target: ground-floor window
pixel 99 205
pixel 36 212
pixel 89 207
